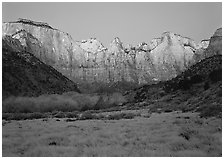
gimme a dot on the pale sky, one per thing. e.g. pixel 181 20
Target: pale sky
pixel 132 22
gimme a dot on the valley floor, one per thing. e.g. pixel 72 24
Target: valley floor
pixel 156 134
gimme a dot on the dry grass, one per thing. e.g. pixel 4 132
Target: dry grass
pixel 158 135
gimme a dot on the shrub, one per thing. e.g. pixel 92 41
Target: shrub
pixel 36 115
pixel 168 110
pixel 45 103
pixel 85 108
pixel 87 116
pixel 71 114
pixel 187 133
pixel 121 116
pixel 67 102
pixel 100 104
pixel 18 105
pixel 100 117
pixel 210 110
pixel 185 84
pixel 206 85
pixel 196 79
pixel 70 120
pixel 128 116
pixel 5 116
pixel 23 116
pixel 60 115
pixel 216 75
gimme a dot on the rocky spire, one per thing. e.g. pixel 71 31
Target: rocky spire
pixel 116 45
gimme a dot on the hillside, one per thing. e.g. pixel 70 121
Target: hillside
pixel 197 89
pixel 25 75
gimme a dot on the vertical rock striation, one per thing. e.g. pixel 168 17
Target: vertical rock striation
pixel 89 62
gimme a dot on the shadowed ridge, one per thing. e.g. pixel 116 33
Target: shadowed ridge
pixel 27 21
pixel 25 75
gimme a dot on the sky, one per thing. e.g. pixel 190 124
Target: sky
pixel 132 22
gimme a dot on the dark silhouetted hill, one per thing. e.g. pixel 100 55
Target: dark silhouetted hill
pixel 25 75
pixel 197 89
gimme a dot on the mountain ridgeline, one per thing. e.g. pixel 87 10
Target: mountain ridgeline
pixel 91 66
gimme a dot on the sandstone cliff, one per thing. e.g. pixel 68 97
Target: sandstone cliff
pixel 88 61
pixel 25 75
pixel 215 44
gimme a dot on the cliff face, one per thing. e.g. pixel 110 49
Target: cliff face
pixel 25 75
pixel 215 44
pixel 51 46
pixel 88 61
pixel 172 55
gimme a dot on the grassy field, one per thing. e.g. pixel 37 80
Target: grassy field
pixel 146 134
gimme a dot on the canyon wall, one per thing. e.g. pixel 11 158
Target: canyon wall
pixel 88 61
pixel 25 75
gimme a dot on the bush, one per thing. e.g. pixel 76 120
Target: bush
pixel 187 133
pixel 206 85
pixel 128 116
pixel 67 102
pixel 185 84
pixel 23 116
pixel 85 108
pixel 71 114
pixel 210 110
pixel 70 120
pixel 87 116
pixel 196 79
pixel 216 75
pixel 121 116
pixel 36 115
pixel 168 110
pixel 5 116
pixel 60 115
pixel 47 103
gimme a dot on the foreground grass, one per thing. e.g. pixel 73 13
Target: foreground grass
pixel 165 134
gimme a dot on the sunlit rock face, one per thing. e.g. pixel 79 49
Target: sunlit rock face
pixel 171 55
pixel 88 61
pixel 52 46
pixel 91 45
pixel 154 43
pixel 200 52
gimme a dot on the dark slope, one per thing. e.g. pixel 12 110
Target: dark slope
pixel 197 89
pixel 207 70
pixel 215 44
pixel 24 75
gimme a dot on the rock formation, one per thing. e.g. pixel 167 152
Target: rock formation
pixel 88 61
pixel 25 75
pixel 215 44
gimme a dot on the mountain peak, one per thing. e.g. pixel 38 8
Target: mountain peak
pixel 165 33
pixel 218 32
pixel 116 42
pixel 91 45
